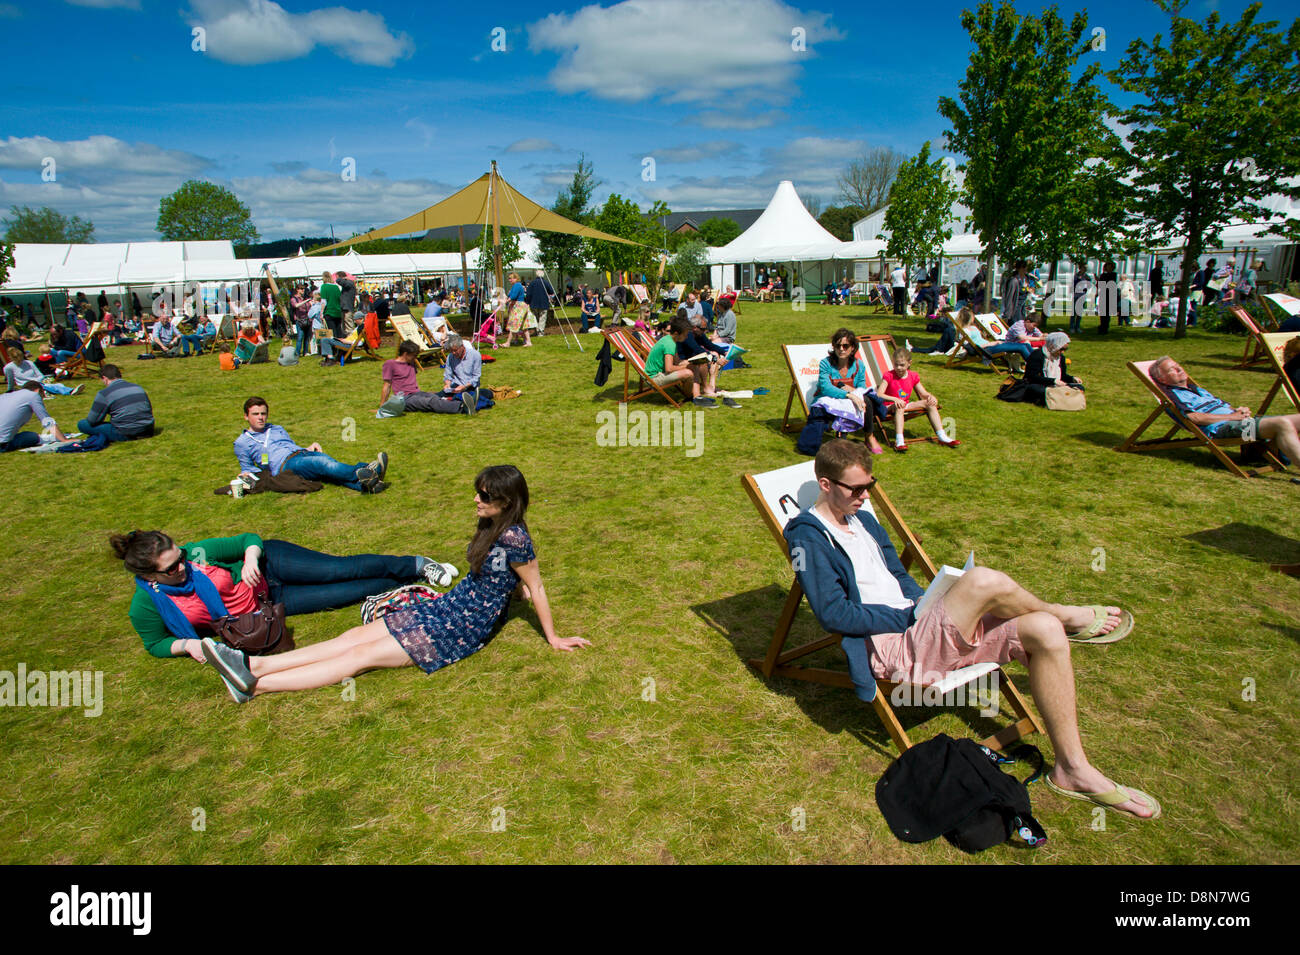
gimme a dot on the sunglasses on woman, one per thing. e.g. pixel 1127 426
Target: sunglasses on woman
pixel 483 496
pixel 175 566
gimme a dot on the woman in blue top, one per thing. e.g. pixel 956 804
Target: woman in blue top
pixel 430 634
pixel 843 374
pixel 519 317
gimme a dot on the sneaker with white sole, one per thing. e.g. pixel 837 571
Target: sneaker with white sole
pixel 77 390
pixel 380 465
pixel 232 664
pixel 439 574
pixel 236 694
pixel 470 401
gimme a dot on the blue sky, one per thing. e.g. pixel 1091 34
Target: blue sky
pixel 283 94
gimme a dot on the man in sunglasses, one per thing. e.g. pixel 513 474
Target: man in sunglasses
pixel 857 587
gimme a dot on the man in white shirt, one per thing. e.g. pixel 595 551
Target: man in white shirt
pixel 857 587
pixel 898 283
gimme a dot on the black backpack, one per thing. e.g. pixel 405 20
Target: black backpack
pixel 956 788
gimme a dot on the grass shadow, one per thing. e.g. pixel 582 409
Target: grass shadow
pixel 747 621
pixel 1103 439
pixel 1251 541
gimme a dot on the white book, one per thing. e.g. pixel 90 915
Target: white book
pixel 942 583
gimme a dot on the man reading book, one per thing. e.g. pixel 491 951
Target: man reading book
pixel 857 587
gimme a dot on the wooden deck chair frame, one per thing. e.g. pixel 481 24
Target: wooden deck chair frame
pixel 358 348
pixel 779 661
pixel 797 392
pixel 880 298
pixel 1256 353
pixel 79 365
pixel 879 350
pixel 967 351
pixel 627 345
pixel 407 330
pixel 1194 438
pixel 1283 303
pixel 1274 344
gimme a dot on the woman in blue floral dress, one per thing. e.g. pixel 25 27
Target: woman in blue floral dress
pixel 430 634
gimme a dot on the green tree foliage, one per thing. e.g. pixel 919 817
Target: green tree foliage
pixel 688 263
pixel 717 231
pixel 1216 127
pixel 920 205
pixel 561 253
pixel 838 220
pixel 6 261
pixel 201 210
pixel 25 224
pixel 624 218
pixel 1032 134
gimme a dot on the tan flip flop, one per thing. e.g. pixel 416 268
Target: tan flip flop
pixel 1111 799
pixel 1093 634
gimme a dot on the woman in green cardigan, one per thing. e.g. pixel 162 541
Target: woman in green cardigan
pixel 179 589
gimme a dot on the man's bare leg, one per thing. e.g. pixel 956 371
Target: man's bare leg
pixel 1282 429
pixel 982 591
pixel 1051 681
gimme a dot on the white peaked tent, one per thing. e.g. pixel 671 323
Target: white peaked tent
pixel 785 232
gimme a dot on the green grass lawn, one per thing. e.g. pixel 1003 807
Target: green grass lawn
pixel 661 561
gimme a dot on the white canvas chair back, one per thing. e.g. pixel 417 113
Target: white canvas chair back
pixel 1275 344
pixel 804 361
pixel 991 327
pixel 1288 303
pixel 787 491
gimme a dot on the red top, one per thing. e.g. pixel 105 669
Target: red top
pixel 896 387
pixel 237 596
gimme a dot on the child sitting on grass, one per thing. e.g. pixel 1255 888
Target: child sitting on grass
pixel 226 358
pixel 901 388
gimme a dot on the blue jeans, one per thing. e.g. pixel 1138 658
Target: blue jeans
pixel 307 581
pixel 1020 348
pixel 56 389
pixel 60 355
pixel 300 347
pixel 104 429
pixel 23 439
pixel 319 466
pixel 593 319
pixel 188 340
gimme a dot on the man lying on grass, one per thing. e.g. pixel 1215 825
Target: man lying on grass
pixel 857 587
pixel 268 446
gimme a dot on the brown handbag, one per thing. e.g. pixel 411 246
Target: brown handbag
pixel 259 633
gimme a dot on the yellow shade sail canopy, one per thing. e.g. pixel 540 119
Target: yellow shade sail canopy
pixel 473 205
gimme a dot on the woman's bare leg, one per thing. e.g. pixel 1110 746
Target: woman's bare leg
pixel 380 653
pixel 325 650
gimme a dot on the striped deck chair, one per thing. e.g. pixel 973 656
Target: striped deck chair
pixel 803 362
pixel 780 495
pixel 967 351
pixel 622 341
pixel 358 348
pixel 1194 438
pixel 1256 351
pixel 1275 345
pixel 879 350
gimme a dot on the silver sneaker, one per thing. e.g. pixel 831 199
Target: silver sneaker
pixel 230 663
pixel 439 574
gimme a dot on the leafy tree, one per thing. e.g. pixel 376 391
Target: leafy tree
pixel 623 218
pixel 717 231
pixel 920 205
pixel 1216 128
pixel 838 221
pixel 204 210
pixel 6 261
pixel 689 261
pixel 564 254
pixel 1029 128
pixel 510 252
pixel 26 224
pixel 865 182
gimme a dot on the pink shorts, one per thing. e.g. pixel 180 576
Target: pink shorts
pixel 933 647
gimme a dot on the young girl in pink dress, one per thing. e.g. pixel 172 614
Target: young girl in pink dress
pixel 901 387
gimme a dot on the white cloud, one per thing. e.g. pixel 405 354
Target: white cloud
pixel 695 153
pixel 90 159
pixel 248 32
pixel 531 146
pixel 712 192
pixel 705 52
pixel 718 119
